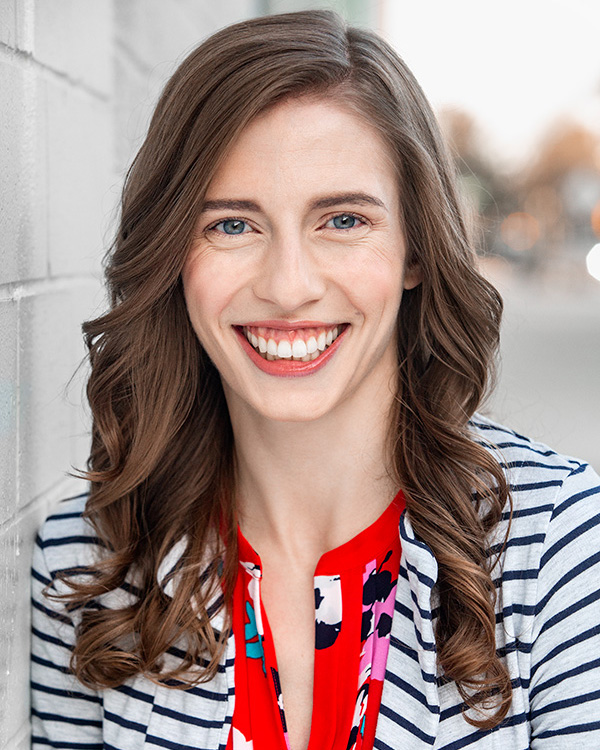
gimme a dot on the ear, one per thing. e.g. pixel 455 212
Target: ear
pixel 413 276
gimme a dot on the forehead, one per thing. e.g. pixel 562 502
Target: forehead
pixel 311 144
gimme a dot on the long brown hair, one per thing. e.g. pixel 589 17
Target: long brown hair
pixel 162 461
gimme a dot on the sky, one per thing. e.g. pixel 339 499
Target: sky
pixel 517 65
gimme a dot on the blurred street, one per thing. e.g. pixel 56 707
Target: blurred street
pixel 549 384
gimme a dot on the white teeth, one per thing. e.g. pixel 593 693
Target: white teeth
pixel 284 349
pixel 311 345
pixel 299 349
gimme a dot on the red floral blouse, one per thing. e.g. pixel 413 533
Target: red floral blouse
pixel 355 588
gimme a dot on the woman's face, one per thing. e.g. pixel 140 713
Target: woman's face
pixel 297 268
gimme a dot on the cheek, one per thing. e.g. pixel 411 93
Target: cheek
pixel 377 293
pixel 207 291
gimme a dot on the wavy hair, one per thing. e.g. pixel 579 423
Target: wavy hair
pixel 162 460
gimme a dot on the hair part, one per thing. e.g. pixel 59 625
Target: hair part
pixel 157 401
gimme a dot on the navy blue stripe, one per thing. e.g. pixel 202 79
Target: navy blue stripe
pixel 39 577
pixel 121 721
pixel 492 427
pixel 186 718
pixel 130 588
pixel 517 541
pixel 530 448
pixel 425 613
pixel 457 708
pixel 181 654
pixel 564 645
pixel 568 611
pixel 425 645
pixel 592 726
pixel 426 580
pixel 160 742
pixel 575 700
pixel 396 643
pixel 587 525
pixel 521 647
pixel 514 609
pixel 380 745
pixel 412 691
pixel 566 504
pixel 558 678
pixel 573 573
pixel 49 664
pixel 537 464
pixel 62 745
pixel 65 540
pixel 77 570
pixel 403 610
pixel 65 693
pixel 136 694
pixel 469 739
pixel 195 690
pixel 517 575
pixel 414 541
pixel 65 516
pixel 44 716
pixel 51 613
pixel 528 486
pixel 524 512
pixel 405 724
pixel 50 639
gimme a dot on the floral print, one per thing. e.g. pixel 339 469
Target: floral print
pixel 328 610
pixel 355 587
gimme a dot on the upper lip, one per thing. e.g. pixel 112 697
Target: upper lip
pixel 288 325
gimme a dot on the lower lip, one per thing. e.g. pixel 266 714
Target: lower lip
pixel 288 368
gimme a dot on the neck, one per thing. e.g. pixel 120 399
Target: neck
pixel 306 487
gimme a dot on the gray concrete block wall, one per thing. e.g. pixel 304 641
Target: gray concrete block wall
pixel 78 79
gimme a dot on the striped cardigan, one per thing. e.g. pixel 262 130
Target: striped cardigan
pixel 547 632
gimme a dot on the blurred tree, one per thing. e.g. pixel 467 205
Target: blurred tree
pixel 487 192
pixel 561 189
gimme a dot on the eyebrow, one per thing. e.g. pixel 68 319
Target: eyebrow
pixel 360 199
pixel 225 205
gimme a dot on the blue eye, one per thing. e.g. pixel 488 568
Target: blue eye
pixel 231 226
pixel 344 221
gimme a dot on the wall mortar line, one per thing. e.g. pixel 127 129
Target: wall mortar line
pixel 15 291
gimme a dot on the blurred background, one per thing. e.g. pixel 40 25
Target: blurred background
pixel 517 89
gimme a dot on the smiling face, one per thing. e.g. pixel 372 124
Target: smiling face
pixel 295 275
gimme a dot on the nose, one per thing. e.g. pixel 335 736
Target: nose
pixel 291 276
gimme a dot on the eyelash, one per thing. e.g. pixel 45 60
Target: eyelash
pixel 213 227
pixel 361 219
pixel 352 215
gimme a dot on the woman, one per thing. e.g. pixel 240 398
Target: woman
pixel 297 341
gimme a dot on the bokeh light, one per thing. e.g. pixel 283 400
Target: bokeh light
pixel 592 262
pixel 595 219
pixel 520 231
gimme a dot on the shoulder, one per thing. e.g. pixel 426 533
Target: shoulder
pixel 66 540
pixel 68 549
pixel 533 470
pixel 556 498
